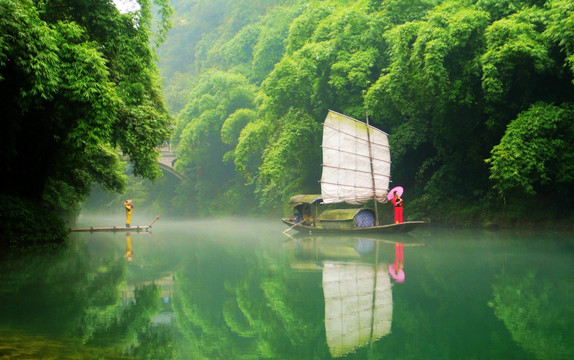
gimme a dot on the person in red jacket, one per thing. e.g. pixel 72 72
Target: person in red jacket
pixel 398 204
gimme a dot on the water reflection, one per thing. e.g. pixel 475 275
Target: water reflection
pixel 230 289
pixel 357 287
pixel 396 269
pixel 81 295
pixel 237 301
pixel 129 249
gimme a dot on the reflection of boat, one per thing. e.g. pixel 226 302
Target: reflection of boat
pixel 312 250
pixel 358 305
pixel 357 288
pixel 356 170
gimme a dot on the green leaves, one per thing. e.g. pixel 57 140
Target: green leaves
pixel 443 78
pixel 208 129
pixel 560 29
pixel 284 171
pixel 514 50
pixel 537 149
pixel 234 125
pixel 79 79
pixel 353 71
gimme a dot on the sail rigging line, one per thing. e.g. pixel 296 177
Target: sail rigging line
pixel 354 120
pixel 372 170
pixel 353 153
pixel 350 186
pixel 355 170
pixel 354 135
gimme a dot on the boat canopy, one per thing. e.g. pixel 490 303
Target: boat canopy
pixel 304 199
pixel 339 214
pixel 356 218
pixel 356 161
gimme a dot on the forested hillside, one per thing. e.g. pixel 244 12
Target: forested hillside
pixel 477 97
pixel 80 86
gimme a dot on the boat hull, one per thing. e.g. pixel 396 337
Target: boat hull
pixel 114 229
pixel 403 227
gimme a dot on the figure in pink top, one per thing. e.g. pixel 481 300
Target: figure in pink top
pixel 396 269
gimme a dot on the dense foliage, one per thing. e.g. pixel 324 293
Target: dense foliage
pixel 476 96
pixel 24 224
pixel 79 83
pixel 78 78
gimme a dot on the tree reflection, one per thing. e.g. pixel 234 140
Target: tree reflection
pixel 534 315
pixel 75 297
pixel 238 300
pixel 251 308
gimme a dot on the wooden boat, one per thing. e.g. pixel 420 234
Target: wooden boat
pixel 356 170
pixel 136 228
pixel 113 228
pixel 403 227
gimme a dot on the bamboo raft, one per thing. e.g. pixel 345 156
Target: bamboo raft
pixel 136 228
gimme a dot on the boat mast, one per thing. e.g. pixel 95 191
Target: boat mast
pixel 372 170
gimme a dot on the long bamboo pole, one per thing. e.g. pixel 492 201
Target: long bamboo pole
pixel 372 170
pixel 154 220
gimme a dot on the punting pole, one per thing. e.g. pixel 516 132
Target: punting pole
pixel 154 220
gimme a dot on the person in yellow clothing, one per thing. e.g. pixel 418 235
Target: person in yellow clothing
pixel 129 207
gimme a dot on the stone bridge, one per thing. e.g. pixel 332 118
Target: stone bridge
pixel 166 160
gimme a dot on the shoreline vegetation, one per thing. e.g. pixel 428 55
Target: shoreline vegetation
pixel 25 223
pixel 477 98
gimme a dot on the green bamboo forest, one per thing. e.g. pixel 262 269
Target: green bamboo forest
pixel 477 98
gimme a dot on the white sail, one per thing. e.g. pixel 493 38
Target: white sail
pixel 358 305
pixel 348 175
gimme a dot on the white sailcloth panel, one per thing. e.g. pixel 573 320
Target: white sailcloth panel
pixel 347 175
pixel 358 305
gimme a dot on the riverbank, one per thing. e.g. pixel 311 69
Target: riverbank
pixel 497 214
pixel 25 223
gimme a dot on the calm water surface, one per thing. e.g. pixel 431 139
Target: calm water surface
pixel 240 289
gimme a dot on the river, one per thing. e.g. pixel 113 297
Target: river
pixel 241 289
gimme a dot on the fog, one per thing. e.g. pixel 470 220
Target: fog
pixel 230 227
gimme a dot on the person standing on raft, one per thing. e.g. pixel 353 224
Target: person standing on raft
pixel 398 204
pixel 129 207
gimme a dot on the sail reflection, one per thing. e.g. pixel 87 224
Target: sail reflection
pixel 358 305
pixel 357 286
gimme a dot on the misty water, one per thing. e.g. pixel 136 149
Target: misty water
pixel 241 289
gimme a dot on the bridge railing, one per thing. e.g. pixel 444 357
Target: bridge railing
pixel 166 150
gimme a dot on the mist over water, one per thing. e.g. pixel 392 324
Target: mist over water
pixel 231 227
pixel 236 287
